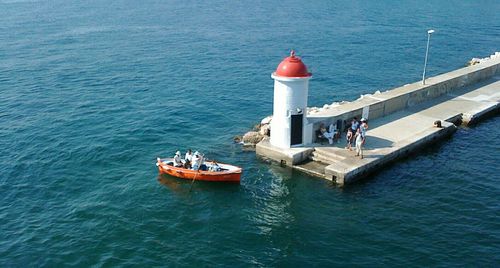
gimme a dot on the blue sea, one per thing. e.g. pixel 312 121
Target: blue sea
pixel 91 92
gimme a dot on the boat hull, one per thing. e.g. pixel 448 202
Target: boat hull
pixel 232 175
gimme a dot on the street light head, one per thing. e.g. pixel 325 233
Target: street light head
pixel 430 31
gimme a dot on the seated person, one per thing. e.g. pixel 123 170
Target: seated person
pixel 187 159
pixel 215 167
pixel 189 156
pixel 331 134
pixel 177 160
pixel 203 166
pixel 196 163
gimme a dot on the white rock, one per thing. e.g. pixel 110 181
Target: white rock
pixel 266 120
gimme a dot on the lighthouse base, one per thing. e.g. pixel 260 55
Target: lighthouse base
pixel 286 157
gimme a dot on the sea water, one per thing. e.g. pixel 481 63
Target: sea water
pixel 91 92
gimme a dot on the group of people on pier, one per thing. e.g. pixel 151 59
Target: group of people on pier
pixel 194 161
pixel 356 134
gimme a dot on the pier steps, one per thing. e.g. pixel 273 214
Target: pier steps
pixel 314 168
pixel 327 155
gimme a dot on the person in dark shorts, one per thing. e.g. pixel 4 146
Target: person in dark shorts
pixel 349 139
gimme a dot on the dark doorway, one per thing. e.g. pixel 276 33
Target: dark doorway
pixel 296 135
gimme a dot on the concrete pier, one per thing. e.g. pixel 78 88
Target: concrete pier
pixel 400 122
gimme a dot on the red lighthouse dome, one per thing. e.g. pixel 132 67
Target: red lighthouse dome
pixel 292 67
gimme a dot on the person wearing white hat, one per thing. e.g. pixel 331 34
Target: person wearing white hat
pixel 177 159
pixel 196 161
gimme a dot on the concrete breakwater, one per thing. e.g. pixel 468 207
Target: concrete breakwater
pixel 401 122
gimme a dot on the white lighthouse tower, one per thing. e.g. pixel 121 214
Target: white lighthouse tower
pixel 289 127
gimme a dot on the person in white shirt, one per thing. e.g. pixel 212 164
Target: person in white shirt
pixel 196 161
pixel 177 159
pixel 361 138
pixel 188 158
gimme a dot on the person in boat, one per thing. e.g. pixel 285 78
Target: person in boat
pixel 188 158
pixel 177 160
pixel 215 167
pixel 195 164
pixel 203 166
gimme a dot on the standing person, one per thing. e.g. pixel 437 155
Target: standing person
pixel 363 127
pixel 361 138
pixel 177 159
pixel 188 158
pixel 349 139
pixel 354 125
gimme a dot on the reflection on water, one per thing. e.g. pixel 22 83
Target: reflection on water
pixel 182 186
pixel 273 204
pixel 170 182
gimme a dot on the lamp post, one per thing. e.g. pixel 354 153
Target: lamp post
pixel 429 32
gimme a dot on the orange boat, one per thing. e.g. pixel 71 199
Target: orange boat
pixel 223 173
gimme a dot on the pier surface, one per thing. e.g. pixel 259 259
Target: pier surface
pixel 396 134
